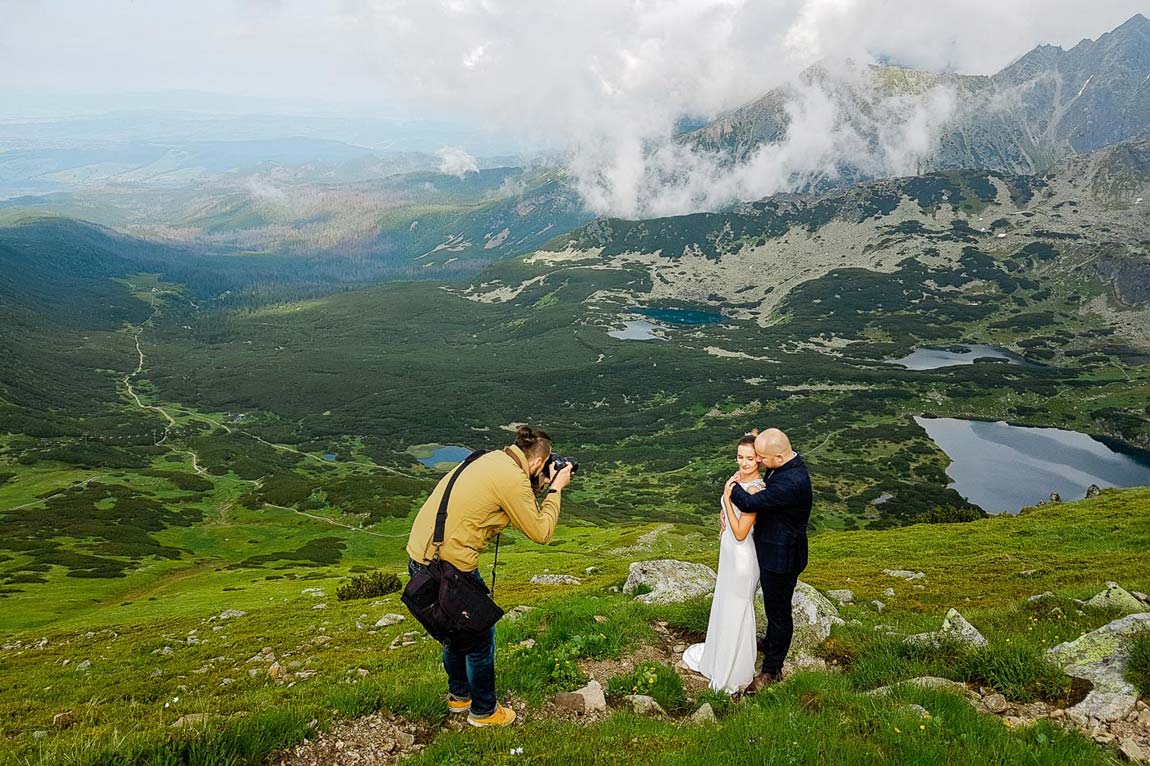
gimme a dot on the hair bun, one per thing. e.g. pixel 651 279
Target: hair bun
pixel 525 435
pixel 754 432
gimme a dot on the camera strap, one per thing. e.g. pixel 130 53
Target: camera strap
pixel 441 516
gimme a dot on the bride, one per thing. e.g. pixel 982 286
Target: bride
pixel 727 657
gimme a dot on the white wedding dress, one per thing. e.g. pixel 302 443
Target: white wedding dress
pixel 727 657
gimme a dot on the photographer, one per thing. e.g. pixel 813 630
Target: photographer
pixel 497 489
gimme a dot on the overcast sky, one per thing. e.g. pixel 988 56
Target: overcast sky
pixel 472 56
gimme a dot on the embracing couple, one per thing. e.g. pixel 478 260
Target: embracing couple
pixel 771 495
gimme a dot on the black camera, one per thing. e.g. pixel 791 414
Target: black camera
pixel 558 463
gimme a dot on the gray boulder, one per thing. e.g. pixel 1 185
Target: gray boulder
pixel 928 682
pixel 1114 596
pixel 842 596
pixel 1100 657
pixel 955 628
pixel 554 579
pixel 705 714
pixel 644 705
pixel 1093 491
pixel 904 574
pixel 389 619
pixel 589 699
pixel 813 613
pixel 667 581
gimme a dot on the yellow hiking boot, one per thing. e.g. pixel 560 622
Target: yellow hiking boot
pixel 503 716
pixel 457 705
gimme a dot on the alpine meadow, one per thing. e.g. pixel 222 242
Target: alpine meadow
pixel 254 309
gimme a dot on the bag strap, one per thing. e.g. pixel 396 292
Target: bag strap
pixel 441 516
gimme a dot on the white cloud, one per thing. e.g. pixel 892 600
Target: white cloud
pixel 453 161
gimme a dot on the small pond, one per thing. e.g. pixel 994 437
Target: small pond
pixel 446 455
pixel 1003 468
pixel 637 329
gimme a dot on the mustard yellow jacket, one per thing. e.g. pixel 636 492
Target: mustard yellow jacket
pixel 490 494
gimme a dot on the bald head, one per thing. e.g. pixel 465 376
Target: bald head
pixel 773 448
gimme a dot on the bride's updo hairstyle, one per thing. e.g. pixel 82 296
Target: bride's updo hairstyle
pixel 533 441
pixel 749 438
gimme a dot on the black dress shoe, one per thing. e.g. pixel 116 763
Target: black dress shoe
pixel 762 681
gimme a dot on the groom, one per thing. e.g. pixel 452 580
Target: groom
pixel 780 533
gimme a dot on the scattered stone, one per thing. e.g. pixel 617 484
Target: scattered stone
pixel 589 699
pixel 878 605
pixel 1093 491
pixel 956 627
pixel 1055 498
pixel 669 581
pixel 679 648
pixel 190 720
pixel 920 587
pixel 84 665
pixel 1132 750
pixel 227 681
pixel 515 613
pixel 813 613
pixel 641 704
pixel 929 682
pixel 800 662
pixel 842 596
pixel 599 619
pixel 156 673
pixel 1140 596
pixel 362 672
pixel 1114 596
pixel 320 606
pixel 527 643
pixel 904 574
pixel 313 592
pixel 705 714
pixel 389 619
pixel 889 592
pixel 1100 657
pixel 1041 597
pixel 591 570
pixel 277 671
pixel 554 579
pixel 994 703
pixel 321 640
pixel 63 720
pixel 918 710
pixel 39 734
pixel 228 614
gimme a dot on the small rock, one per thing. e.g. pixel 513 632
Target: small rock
pixel 904 574
pixel 554 579
pixel 39 734
pixel 227 681
pixel 929 682
pixel 1093 491
pixel 84 665
pixel 591 570
pixel 228 614
pixel 1132 750
pixel 889 592
pixel 994 703
pixel 1114 596
pixel 955 626
pixel 276 670
pixel 405 739
pixel 389 619
pixel 321 640
pixel 190 720
pixel 313 592
pixel 600 619
pixel 362 672
pixel 705 714
pixel 679 648
pixel 644 705
pixel 156 673
pixel 586 700
pixel 527 643
pixel 918 710
pixel 842 596
pixel 320 606
pixel 515 613
pixel 63 720
pixel 1140 596
pixel 878 605
pixel 1041 597
pixel 1055 498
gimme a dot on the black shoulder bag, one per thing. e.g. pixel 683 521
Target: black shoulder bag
pixel 454 606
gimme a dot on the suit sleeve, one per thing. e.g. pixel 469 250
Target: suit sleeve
pixel 774 496
pixel 538 523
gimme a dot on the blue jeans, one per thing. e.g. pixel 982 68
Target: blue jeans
pixel 470 675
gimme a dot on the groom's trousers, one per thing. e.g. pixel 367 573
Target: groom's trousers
pixel 778 589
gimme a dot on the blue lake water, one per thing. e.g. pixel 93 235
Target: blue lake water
pixel 933 358
pixel 446 455
pixel 1004 468
pixel 330 456
pixel 682 316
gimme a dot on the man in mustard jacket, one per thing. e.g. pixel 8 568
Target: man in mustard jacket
pixel 497 490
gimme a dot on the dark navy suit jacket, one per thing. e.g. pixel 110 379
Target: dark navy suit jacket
pixel 782 511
